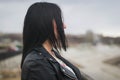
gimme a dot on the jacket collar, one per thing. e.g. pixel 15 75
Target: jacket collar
pixel 42 51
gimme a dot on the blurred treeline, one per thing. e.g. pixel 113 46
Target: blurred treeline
pixel 6 40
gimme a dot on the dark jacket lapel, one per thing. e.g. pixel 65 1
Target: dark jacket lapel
pixel 75 69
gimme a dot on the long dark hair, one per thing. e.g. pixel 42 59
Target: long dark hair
pixel 38 27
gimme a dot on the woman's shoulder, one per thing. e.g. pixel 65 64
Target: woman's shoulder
pixel 32 58
pixel 33 55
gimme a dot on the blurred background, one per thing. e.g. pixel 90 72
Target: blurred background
pixel 92 31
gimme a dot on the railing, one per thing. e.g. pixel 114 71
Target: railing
pixel 6 54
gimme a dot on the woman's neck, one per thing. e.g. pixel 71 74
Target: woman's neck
pixel 48 46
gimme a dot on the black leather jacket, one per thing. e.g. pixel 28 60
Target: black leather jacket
pixel 40 65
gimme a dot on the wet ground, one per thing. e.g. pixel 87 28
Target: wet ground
pixel 96 60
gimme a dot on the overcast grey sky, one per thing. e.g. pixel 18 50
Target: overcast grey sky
pixel 100 16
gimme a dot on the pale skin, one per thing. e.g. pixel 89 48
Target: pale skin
pixel 47 45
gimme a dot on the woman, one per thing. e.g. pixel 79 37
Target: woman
pixel 43 38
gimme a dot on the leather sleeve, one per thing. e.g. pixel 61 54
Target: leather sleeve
pixel 38 70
